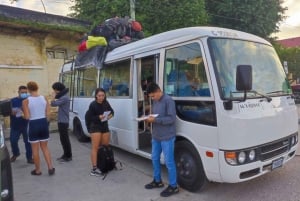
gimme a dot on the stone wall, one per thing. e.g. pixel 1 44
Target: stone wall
pixel 24 58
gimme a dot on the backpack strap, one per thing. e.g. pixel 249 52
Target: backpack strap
pixel 116 168
pixel 104 175
pixel 120 163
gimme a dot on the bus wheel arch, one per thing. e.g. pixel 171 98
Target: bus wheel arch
pixel 190 172
pixel 78 131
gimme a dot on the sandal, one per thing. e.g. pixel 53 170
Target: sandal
pixel 51 171
pixel 33 172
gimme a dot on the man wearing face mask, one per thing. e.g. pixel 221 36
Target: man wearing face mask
pixel 18 126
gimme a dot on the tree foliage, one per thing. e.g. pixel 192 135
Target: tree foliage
pixel 164 15
pixel 259 17
pixel 155 15
pixel 97 11
pixel 292 57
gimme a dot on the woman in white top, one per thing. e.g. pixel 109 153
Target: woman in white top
pixel 36 109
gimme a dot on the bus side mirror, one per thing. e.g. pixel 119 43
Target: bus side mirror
pixel 244 78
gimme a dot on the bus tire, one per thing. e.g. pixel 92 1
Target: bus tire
pixel 190 172
pixel 78 132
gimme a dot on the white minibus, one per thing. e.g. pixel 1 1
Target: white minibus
pixel 236 116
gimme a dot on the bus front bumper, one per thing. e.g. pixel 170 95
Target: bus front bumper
pixel 239 173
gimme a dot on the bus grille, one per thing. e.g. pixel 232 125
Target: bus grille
pixel 274 149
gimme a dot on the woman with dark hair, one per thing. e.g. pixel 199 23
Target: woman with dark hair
pixel 97 117
pixel 37 110
pixel 62 101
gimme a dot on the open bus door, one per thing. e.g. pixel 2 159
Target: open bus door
pixel 147 70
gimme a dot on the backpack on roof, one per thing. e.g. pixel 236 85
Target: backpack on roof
pixel 118 26
pixel 136 26
pixel 113 28
pixel 134 30
pixel 102 30
pixel 94 41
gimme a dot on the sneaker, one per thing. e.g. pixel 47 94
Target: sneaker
pixel 30 161
pixel 169 191
pixel 64 159
pixel 154 184
pixel 14 158
pixel 60 158
pixel 96 172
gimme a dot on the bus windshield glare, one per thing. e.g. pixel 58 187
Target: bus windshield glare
pixel 268 76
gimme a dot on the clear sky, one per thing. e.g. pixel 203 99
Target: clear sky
pixel 288 28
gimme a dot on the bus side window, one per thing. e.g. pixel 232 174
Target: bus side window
pixel 86 82
pixel 171 83
pixel 122 89
pixel 115 78
pixel 185 74
pixel 106 84
pixel 184 85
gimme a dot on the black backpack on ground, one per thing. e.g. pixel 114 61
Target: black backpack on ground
pixel 105 159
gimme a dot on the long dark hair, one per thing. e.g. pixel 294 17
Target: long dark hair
pixel 100 90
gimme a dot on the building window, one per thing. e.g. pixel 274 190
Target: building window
pixel 56 53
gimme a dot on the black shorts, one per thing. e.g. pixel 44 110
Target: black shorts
pixel 98 128
pixel 38 130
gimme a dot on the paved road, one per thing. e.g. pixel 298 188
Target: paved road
pixel 73 183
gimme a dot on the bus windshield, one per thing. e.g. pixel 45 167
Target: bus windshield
pixel 268 76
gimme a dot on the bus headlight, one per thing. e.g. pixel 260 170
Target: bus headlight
pixel 251 155
pixel 230 158
pixel 293 140
pixel 242 157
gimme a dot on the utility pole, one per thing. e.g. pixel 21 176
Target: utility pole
pixel 43 6
pixel 132 9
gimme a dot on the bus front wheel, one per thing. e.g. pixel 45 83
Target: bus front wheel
pixel 78 132
pixel 190 172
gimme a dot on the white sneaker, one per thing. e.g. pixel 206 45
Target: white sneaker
pixel 96 172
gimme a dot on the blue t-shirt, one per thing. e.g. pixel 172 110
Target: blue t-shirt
pixel 17 122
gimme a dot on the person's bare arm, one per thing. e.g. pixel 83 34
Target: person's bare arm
pixel 47 110
pixel 25 109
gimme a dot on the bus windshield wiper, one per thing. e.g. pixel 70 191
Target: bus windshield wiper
pixel 269 99
pixel 275 92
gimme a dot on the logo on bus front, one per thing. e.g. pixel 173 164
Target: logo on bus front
pixel 250 107
pixel 224 34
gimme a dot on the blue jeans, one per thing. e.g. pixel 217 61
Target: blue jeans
pixel 167 147
pixel 14 138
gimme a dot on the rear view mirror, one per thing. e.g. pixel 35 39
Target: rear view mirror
pixel 244 78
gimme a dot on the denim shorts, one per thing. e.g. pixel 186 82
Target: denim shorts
pixel 38 130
